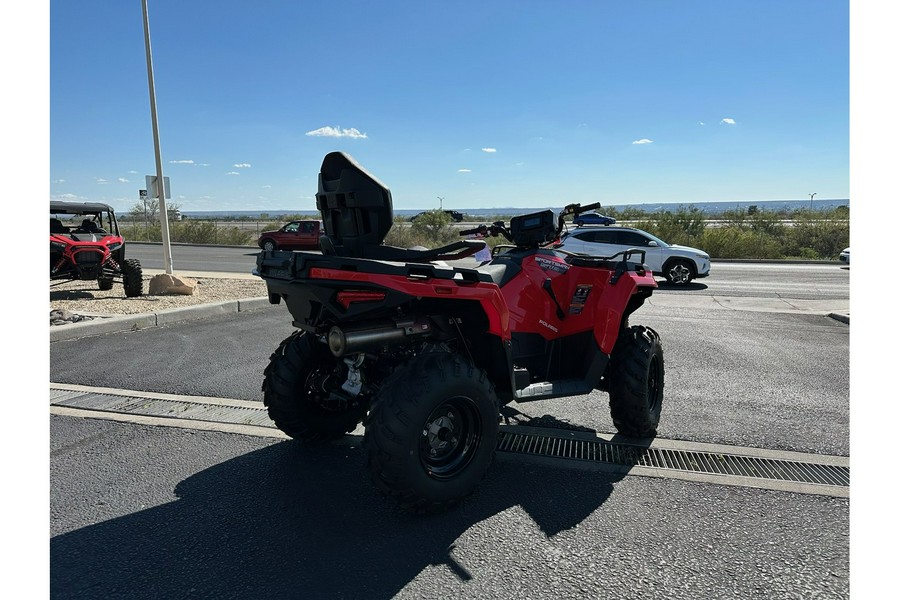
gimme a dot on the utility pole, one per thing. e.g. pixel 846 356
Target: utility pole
pixel 810 200
pixel 160 181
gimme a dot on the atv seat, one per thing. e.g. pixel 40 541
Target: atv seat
pixel 500 272
pixel 56 226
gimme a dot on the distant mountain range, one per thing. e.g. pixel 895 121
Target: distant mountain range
pixel 706 207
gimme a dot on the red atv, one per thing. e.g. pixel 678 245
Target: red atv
pixel 424 354
pixel 85 245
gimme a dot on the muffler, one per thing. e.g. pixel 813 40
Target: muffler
pixel 342 342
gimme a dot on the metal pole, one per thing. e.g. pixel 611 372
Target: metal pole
pixel 160 181
pixel 810 200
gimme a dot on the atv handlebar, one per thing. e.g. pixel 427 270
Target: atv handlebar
pixel 499 227
pixel 492 230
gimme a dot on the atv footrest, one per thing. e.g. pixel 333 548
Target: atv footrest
pixel 553 389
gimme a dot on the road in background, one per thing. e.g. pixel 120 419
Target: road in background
pixel 740 279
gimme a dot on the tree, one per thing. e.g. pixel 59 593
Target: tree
pixel 435 224
pixel 148 211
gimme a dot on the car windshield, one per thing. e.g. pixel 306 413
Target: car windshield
pixel 82 222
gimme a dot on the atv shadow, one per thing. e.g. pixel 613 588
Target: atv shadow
pixel 295 521
pixel 71 295
pixel 513 416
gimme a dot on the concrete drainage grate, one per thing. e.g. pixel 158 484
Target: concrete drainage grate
pixel 741 466
pixel 678 460
pixel 161 407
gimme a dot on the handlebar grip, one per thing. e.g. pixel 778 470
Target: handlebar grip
pixel 480 229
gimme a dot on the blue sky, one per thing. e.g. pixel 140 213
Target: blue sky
pixel 485 104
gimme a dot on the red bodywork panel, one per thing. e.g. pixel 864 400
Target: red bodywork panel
pixel 587 299
pixel 487 294
pixel 72 247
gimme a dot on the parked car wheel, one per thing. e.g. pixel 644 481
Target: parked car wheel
pixel 679 272
pixel 269 246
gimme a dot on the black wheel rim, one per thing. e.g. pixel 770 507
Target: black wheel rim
pixel 653 383
pixel 679 273
pixel 450 438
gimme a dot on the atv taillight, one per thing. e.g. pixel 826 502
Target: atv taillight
pixel 347 297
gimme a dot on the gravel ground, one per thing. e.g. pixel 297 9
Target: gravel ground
pixel 84 297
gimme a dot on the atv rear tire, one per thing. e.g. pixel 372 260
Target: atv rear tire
pixel 292 391
pixel 432 432
pixel 132 278
pixel 105 283
pixel 635 378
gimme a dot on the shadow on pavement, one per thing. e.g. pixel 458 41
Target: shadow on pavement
pixel 682 287
pixel 295 521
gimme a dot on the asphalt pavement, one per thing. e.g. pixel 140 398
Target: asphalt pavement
pixel 144 511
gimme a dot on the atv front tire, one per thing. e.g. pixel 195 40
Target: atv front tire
pixel 293 391
pixel 432 432
pixel 105 283
pixel 635 378
pixel 132 278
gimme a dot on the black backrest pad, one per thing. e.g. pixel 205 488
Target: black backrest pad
pixel 356 208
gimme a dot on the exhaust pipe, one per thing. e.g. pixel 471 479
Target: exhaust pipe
pixel 343 342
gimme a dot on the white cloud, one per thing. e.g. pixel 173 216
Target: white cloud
pixel 241 166
pixel 132 172
pixel 65 197
pixel 701 123
pixel 727 121
pixel 58 181
pixel 464 171
pixel 267 186
pixel 337 132
pixel 123 180
pixel 232 173
pixel 101 181
pixel 181 162
pixel 642 141
pixel 489 150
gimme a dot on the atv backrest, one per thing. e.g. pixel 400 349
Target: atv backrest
pixel 356 208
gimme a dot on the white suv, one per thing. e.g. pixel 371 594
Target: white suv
pixel 678 264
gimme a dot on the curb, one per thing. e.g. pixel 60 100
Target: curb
pixel 136 322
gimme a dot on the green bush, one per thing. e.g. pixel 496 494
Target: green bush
pixel 761 234
pixel 733 242
pixel 435 225
pixel 190 232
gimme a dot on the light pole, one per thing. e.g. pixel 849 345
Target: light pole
pixel 441 202
pixel 810 200
pixel 160 181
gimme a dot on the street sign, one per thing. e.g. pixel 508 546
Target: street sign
pixel 151 186
pixel 143 194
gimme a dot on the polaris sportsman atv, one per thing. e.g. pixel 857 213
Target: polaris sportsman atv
pixel 424 354
pixel 85 245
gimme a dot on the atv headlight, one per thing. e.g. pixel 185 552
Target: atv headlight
pixel 115 246
pixel 58 246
